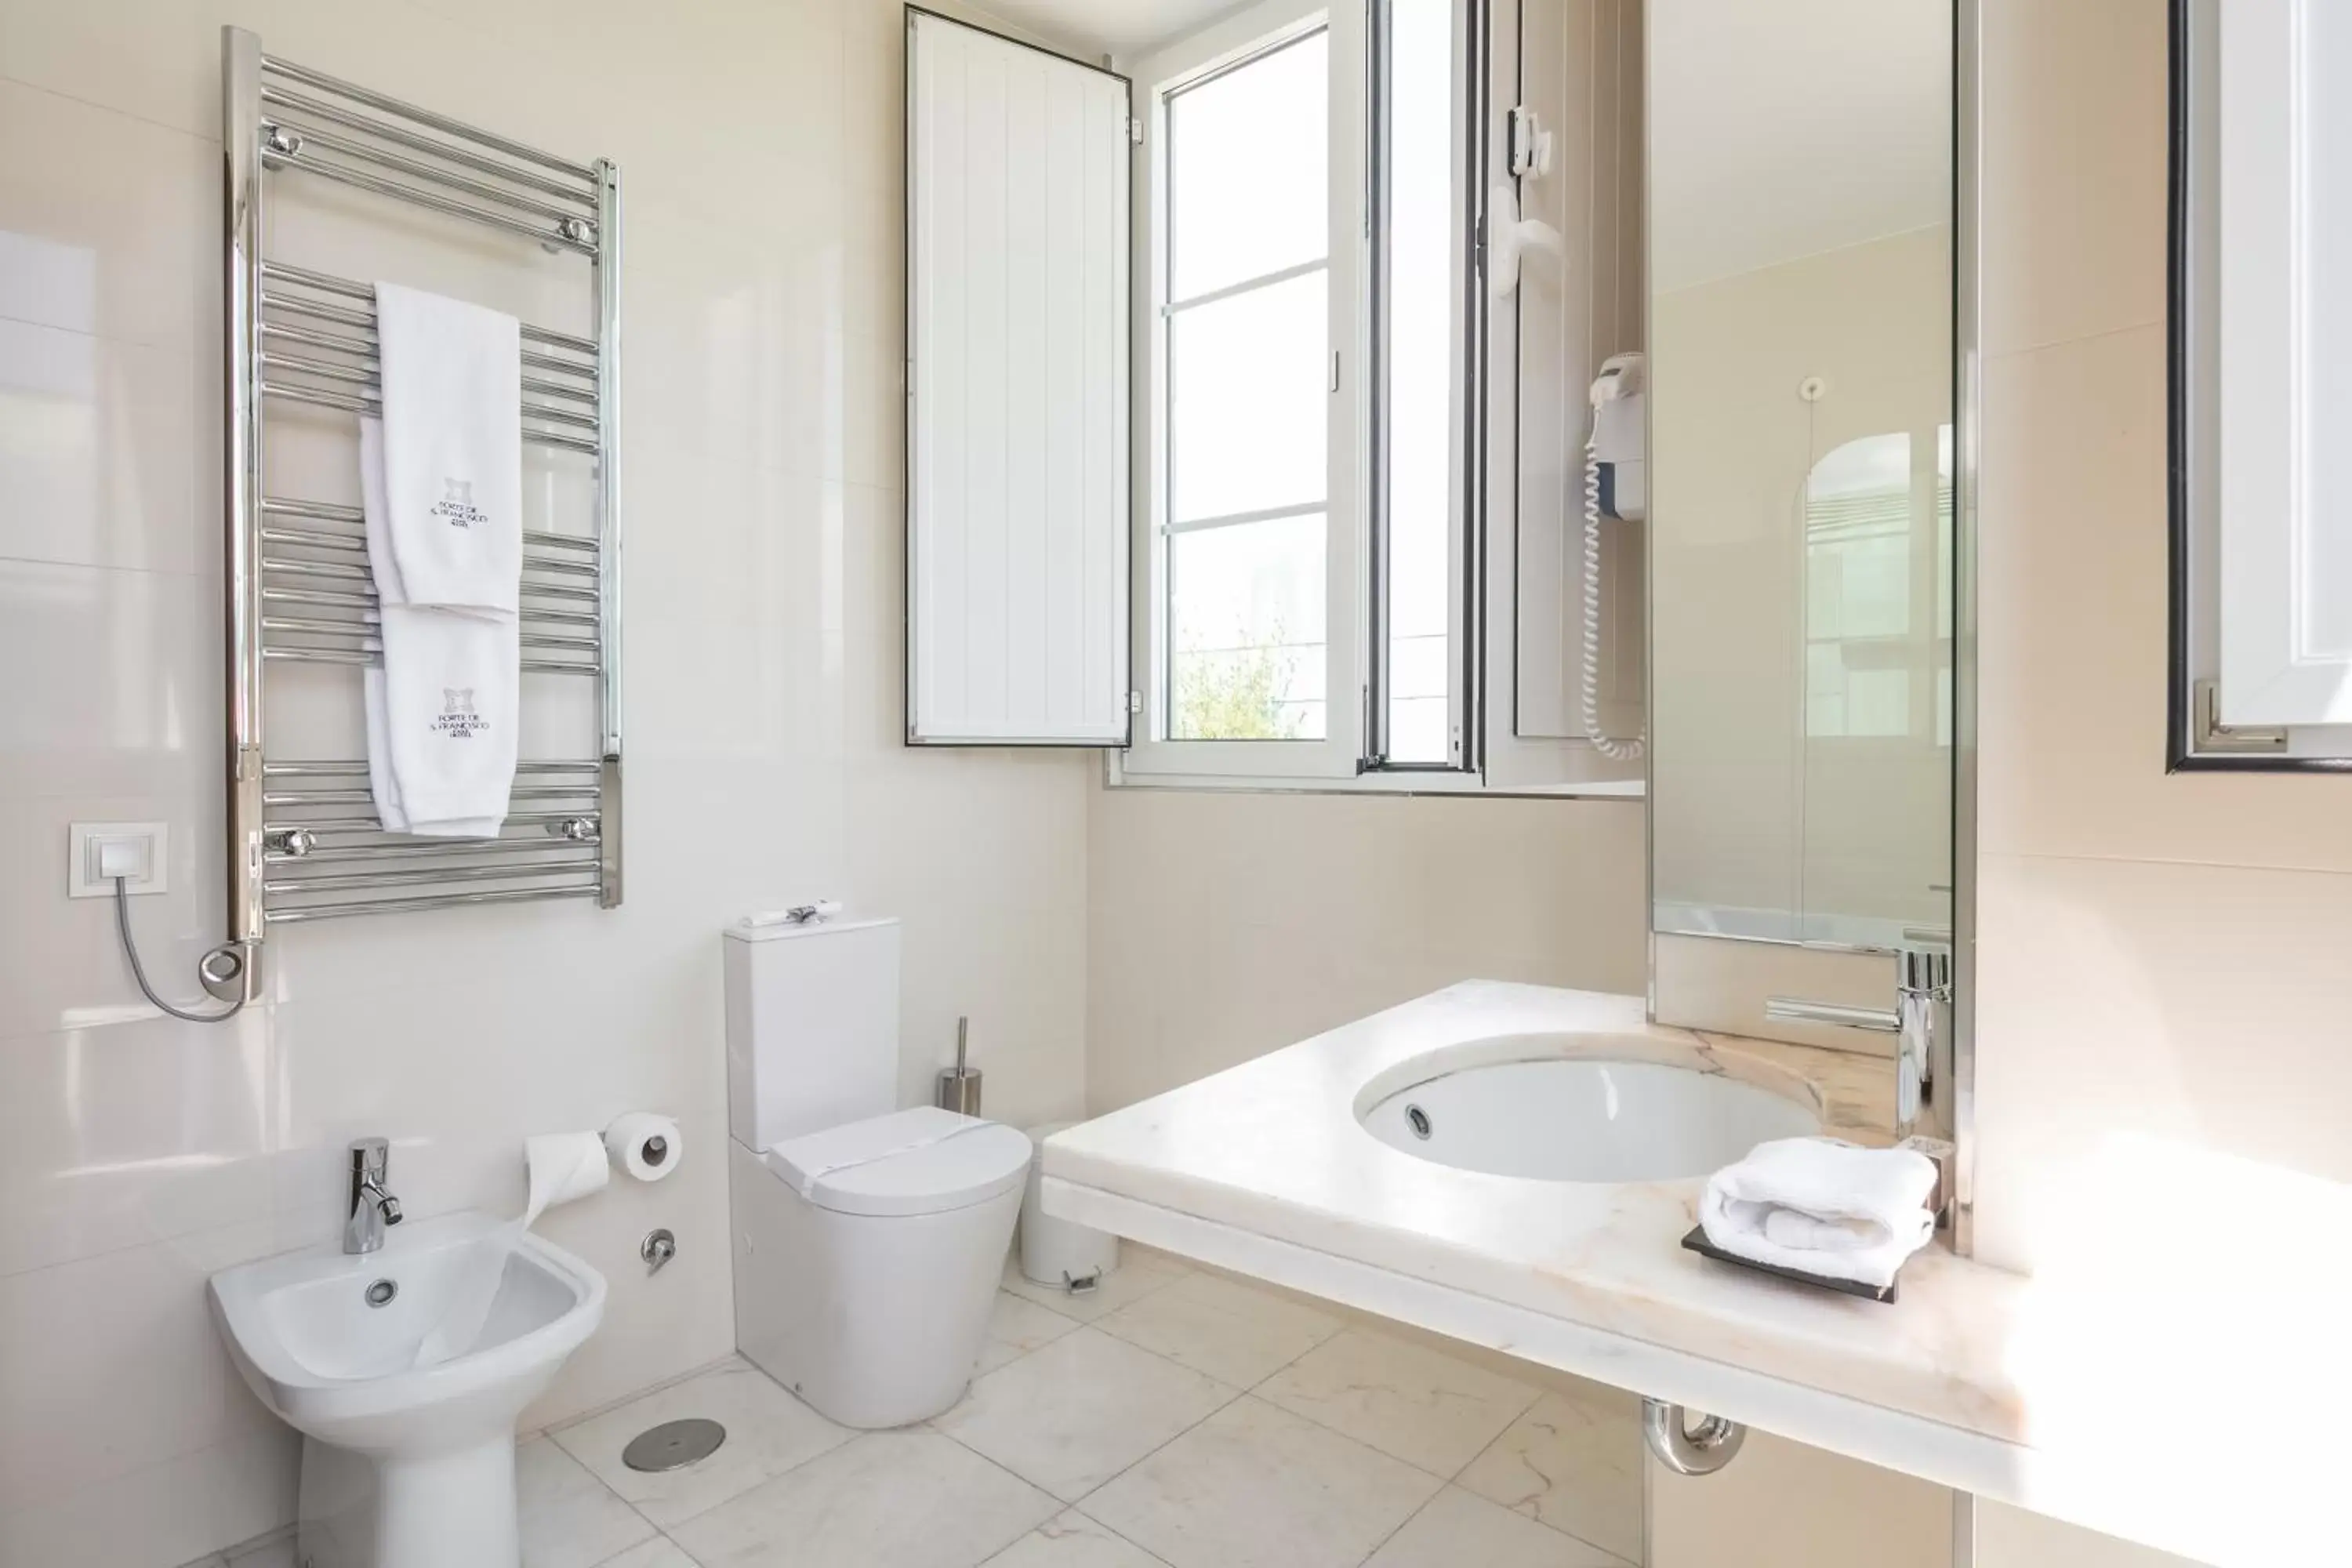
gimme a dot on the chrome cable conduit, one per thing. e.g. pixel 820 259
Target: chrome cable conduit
pixel 304 843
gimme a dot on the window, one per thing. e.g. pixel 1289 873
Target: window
pixel 1313 344
pixel 1245 464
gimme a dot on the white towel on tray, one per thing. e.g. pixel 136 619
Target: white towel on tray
pixel 440 482
pixel 1823 1206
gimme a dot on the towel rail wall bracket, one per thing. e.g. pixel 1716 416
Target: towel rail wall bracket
pixel 302 842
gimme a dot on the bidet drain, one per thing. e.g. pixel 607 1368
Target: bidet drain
pixel 673 1444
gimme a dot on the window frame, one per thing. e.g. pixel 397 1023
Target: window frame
pixel 1466 357
pixel 1486 757
pixel 1224 47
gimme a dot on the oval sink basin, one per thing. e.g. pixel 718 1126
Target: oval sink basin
pixel 1560 1117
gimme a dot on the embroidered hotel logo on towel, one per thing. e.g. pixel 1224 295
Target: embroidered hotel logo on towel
pixel 458 718
pixel 457 505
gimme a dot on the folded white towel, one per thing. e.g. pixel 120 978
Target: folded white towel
pixel 451 700
pixel 443 712
pixel 1823 1206
pixel 452 448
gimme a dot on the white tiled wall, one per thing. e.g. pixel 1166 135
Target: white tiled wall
pixel 760 151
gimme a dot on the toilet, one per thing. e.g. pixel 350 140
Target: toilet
pixel 868 1240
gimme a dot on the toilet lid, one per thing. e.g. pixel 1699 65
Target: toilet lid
pixel 925 1160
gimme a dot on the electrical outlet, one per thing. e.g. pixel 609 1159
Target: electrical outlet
pixel 98 852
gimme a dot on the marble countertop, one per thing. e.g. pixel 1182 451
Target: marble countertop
pixel 2042 1391
pixel 1273 1147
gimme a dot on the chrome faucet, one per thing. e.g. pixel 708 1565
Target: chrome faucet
pixel 1923 1023
pixel 372 1208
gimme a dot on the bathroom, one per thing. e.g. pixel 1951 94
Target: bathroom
pixel 2147 896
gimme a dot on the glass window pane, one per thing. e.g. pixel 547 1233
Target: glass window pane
pixel 1419 239
pixel 1248 402
pixel 1248 169
pixel 1246 632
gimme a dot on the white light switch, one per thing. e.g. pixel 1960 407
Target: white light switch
pixel 98 852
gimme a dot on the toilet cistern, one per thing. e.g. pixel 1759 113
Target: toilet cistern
pixel 371 1207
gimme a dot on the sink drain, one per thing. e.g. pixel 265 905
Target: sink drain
pixel 1418 1120
pixel 674 1445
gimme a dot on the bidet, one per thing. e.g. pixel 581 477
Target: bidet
pixel 403 1466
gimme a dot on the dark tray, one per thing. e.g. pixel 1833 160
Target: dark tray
pixel 1696 1241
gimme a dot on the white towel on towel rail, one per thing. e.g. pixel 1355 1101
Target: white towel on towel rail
pixel 451 374
pixel 444 711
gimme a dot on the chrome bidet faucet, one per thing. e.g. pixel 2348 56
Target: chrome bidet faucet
pixel 371 1207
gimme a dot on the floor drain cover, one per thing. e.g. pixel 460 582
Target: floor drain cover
pixel 674 1445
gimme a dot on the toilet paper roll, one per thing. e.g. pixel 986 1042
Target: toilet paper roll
pixel 563 1166
pixel 643 1144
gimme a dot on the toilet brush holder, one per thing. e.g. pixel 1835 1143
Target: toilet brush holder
pixel 959 1090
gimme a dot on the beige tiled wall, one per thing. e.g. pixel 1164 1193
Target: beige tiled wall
pixel 1783 1505
pixel 1222 926
pixel 2159 955
pixel 759 145
pixel 2013 1538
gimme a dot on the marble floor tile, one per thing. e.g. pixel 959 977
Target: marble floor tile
pixel 908 1498
pixel 768 1432
pixel 1256 1487
pixel 1574 1462
pixel 1236 1333
pixel 1460 1530
pixel 568 1519
pixel 1016 1326
pixel 1410 1402
pixel 661 1552
pixel 1074 1541
pixel 1139 1274
pixel 1073 1414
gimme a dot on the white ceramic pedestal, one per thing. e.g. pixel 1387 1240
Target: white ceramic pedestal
pixel 439 1510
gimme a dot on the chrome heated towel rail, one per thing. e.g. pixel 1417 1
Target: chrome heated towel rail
pixel 304 843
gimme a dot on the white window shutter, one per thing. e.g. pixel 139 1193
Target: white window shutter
pixel 1017 505
pixel 2285 467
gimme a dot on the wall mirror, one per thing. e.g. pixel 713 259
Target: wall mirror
pixel 1801 525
